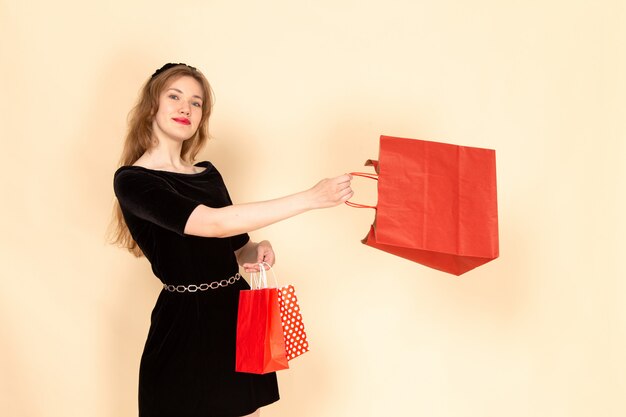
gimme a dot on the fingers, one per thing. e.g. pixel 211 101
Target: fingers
pixel 344 189
pixel 249 268
pixel 348 195
pixel 344 179
pixel 266 257
pixel 264 254
pixel 332 191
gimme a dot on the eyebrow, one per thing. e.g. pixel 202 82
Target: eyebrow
pixel 176 89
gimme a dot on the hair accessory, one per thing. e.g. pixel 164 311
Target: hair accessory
pixel 168 66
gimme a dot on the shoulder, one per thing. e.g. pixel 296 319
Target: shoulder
pixel 206 166
pixel 126 169
pixel 133 179
pixel 130 172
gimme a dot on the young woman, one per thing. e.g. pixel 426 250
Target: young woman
pixel 180 216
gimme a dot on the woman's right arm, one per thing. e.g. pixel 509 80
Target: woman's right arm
pixel 242 218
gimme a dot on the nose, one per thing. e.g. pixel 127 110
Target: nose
pixel 185 108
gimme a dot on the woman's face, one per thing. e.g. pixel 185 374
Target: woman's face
pixel 180 110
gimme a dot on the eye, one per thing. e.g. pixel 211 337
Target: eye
pixel 173 96
pixel 197 104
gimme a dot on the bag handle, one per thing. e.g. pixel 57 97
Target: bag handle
pixel 260 281
pixel 364 175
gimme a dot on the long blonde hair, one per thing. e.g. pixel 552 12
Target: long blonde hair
pixel 139 137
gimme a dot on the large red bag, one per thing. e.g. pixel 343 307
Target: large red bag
pixel 437 204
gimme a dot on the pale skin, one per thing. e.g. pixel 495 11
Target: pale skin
pixel 177 119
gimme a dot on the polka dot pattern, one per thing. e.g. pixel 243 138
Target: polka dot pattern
pixel 295 337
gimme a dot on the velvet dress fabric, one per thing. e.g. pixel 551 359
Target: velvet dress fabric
pixel 188 363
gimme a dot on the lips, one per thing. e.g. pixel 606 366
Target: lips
pixel 182 120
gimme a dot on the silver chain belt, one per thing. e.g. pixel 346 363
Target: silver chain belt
pixel 203 287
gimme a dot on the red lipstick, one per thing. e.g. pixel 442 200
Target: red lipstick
pixel 182 120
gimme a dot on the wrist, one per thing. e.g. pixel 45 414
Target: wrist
pixel 309 200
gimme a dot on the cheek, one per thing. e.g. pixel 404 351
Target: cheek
pixel 159 113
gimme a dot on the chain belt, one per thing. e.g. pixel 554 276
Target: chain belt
pixel 203 287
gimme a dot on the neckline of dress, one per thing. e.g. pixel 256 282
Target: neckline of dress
pixel 204 164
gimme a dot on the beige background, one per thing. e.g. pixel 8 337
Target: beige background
pixel 303 91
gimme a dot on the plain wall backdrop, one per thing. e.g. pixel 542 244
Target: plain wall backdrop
pixel 303 91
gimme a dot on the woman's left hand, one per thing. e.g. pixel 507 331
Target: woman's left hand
pixel 264 254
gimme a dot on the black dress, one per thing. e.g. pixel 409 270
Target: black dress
pixel 188 363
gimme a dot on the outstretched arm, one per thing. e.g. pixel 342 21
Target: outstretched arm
pixel 242 218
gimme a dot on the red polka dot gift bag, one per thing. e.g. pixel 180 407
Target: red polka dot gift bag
pixel 293 329
pixel 270 331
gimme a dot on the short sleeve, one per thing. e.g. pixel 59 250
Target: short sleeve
pixel 151 198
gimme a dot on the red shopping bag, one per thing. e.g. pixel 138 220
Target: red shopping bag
pixel 270 331
pixel 260 340
pixel 437 204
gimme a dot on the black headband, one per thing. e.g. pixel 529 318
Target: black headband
pixel 168 66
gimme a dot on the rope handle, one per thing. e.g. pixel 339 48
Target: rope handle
pixel 260 281
pixel 364 175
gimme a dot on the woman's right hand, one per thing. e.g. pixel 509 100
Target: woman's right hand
pixel 331 192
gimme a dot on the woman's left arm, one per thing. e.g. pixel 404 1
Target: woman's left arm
pixel 250 255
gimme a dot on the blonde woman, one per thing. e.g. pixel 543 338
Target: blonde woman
pixel 179 215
